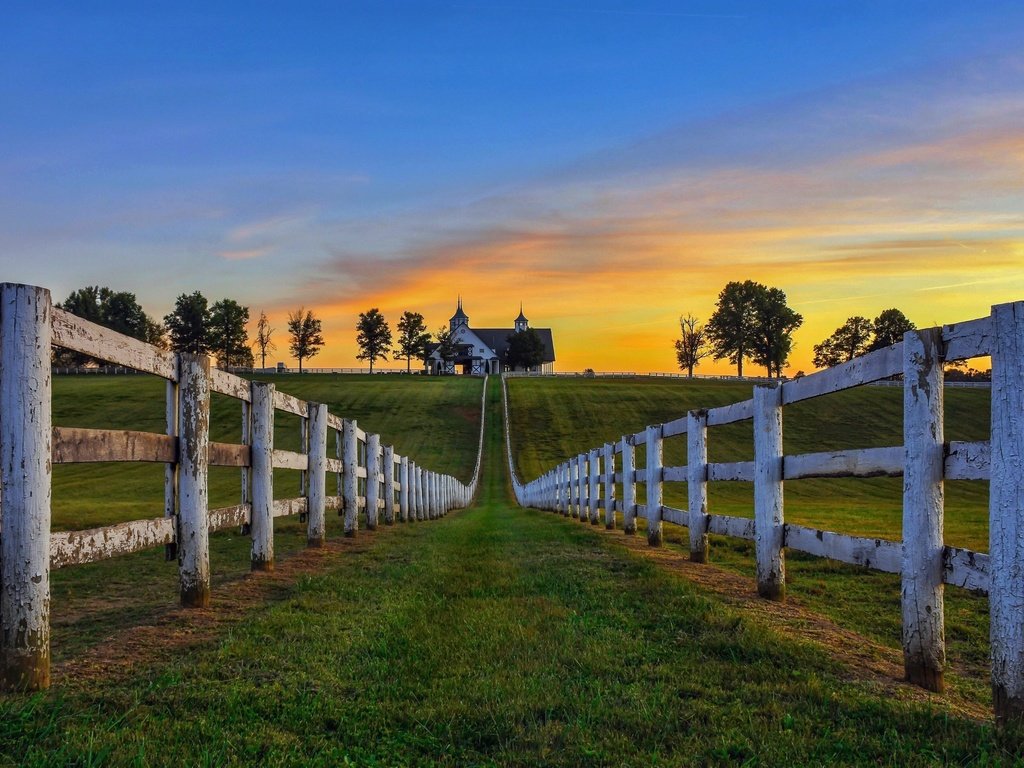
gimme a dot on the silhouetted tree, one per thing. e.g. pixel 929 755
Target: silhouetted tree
pixel 774 324
pixel 890 326
pixel 850 340
pixel 306 335
pixel 525 349
pixel 413 338
pixel 117 310
pixel 229 339
pixel 188 325
pixel 263 340
pixel 693 344
pixel 447 347
pixel 373 337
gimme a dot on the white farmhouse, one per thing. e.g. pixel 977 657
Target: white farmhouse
pixel 482 350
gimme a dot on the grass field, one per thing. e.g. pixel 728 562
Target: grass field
pixel 553 419
pixel 433 420
pixel 496 636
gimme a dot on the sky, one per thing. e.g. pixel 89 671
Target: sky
pixel 612 165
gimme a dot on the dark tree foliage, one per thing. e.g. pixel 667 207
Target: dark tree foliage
pixel 525 349
pixel 732 327
pixel 373 336
pixel 413 339
pixel 693 344
pixel 890 326
pixel 851 339
pixel 228 337
pixel 189 324
pixel 117 310
pixel 306 335
pixel 774 324
pixel 447 347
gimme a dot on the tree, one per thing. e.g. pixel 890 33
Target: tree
pixel 851 339
pixel 413 338
pixel 373 337
pixel 118 310
pixel 693 345
pixel 447 347
pixel 263 341
pixel 188 325
pixel 732 327
pixel 306 335
pixel 890 326
pixel 525 349
pixel 229 340
pixel 775 322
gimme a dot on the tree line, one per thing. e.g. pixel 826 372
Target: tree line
pixel 753 322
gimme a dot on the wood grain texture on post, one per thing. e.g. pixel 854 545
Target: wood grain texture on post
pixel 316 478
pixel 261 519
pixel 628 486
pixel 403 489
pixel 609 486
pixel 565 489
pixel 1006 514
pixel 697 483
pixel 655 461
pixel 574 508
pixel 768 501
pixel 388 465
pixel 372 480
pixel 171 469
pixel 594 489
pixel 26 432
pixel 350 484
pixel 193 480
pixel 413 492
pixel 583 481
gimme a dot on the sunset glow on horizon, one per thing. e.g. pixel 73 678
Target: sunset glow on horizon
pixel 356 157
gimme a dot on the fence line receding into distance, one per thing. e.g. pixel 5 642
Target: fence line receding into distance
pixel 369 477
pixel 925 460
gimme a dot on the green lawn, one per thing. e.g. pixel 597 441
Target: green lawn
pixel 496 636
pixel 553 419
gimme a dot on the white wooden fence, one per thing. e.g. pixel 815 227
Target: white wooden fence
pixel 924 460
pixel 370 477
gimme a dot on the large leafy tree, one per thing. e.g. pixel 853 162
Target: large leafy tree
pixel 229 339
pixel 693 344
pixel 263 341
pixel 775 322
pixel 525 349
pixel 117 310
pixel 305 333
pixel 447 347
pixel 373 336
pixel 733 326
pixel 851 339
pixel 413 338
pixel 890 326
pixel 189 324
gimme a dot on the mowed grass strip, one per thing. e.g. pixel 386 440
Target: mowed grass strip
pixel 434 420
pixel 496 636
pixel 554 419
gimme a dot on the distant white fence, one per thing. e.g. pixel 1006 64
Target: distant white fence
pixel 370 477
pixel 585 484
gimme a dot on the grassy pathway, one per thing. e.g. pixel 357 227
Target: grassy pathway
pixel 494 637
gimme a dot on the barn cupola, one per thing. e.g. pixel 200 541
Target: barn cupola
pixel 460 318
pixel 521 322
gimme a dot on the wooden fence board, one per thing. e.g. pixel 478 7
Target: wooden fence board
pixel 78 547
pixel 73 445
pixel 880 364
pixel 72 332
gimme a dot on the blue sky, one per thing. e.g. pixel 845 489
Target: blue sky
pixel 344 155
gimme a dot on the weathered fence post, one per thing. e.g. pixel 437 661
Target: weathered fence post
pixel 593 490
pixel 564 502
pixel 26 429
pixel 609 486
pixel 655 459
pixel 316 477
pixel 697 483
pixel 403 489
pixel 372 480
pixel 924 647
pixel 388 465
pixel 350 481
pixel 261 517
pixel 193 480
pixel 628 485
pixel 768 509
pixel 582 481
pixel 421 497
pixel 1006 510
pixel 171 469
pixel 574 488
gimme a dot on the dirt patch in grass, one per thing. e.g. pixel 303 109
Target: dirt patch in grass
pixel 178 629
pixel 862 659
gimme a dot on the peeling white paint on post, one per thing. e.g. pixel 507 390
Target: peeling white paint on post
pixel 564 489
pixel 594 488
pixel 609 486
pixel 628 486
pixel 581 482
pixel 261 520
pixel 171 469
pixel 388 465
pixel 768 500
pixel 350 481
pixel 697 483
pixel 574 489
pixel 372 480
pixel 26 430
pixel 421 494
pixel 1006 510
pixel 655 460
pixel 403 489
pixel 193 481
pixel 316 478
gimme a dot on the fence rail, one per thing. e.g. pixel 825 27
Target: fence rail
pixel 370 477
pixel 925 460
